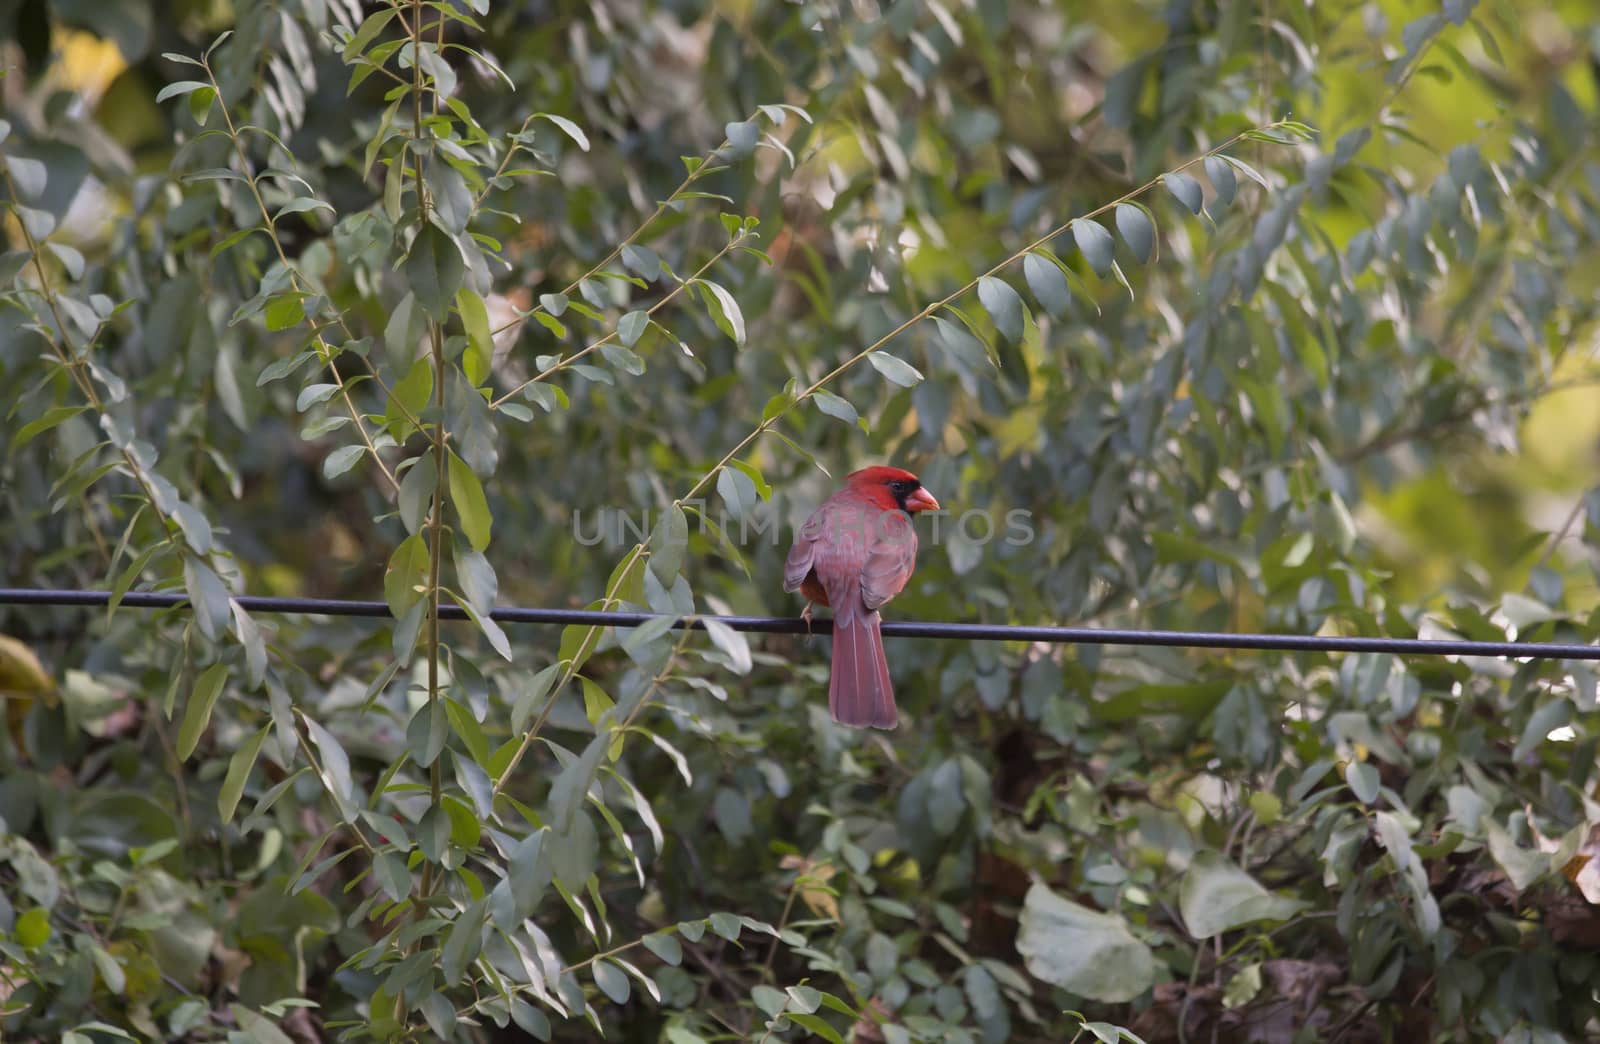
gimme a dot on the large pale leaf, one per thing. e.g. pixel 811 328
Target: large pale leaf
pixel 1217 896
pixel 1090 953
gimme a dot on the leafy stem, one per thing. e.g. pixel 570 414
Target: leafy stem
pixel 700 170
pixel 777 1016
pixel 565 361
pixel 324 350
pixel 440 450
pixel 769 422
pixel 73 361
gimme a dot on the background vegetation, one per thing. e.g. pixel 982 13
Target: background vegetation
pixel 327 298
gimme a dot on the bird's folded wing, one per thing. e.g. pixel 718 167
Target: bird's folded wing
pixel 890 560
pixel 802 556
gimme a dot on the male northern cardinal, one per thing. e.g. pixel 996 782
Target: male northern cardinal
pixel 853 554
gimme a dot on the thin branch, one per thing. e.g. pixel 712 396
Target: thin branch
pixel 1561 534
pixel 72 361
pixel 566 361
pixel 324 349
pixel 701 169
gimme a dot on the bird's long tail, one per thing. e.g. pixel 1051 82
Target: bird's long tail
pixel 860 693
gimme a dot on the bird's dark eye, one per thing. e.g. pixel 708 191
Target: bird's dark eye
pixel 900 486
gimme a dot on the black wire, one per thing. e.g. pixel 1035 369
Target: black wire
pixel 903 629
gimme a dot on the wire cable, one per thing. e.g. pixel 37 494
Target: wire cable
pixel 900 628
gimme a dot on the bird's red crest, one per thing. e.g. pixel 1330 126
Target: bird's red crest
pixel 879 474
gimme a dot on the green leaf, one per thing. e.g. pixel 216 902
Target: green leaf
pixel 394 188
pixel 834 406
pixel 409 397
pixel 962 344
pixel 669 544
pixel 463 942
pixel 530 1019
pixel 1363 780
pixel 433 269
pixel 1248 171
pixel 408 569
pixel 475 320
pixel 390 871
pixel 1048 284
pixel 1223 183
pixel 804 999
pixel 1137 231
pixel 477 579
pixel 769 1000
pixel 642 260
pixel 341 460
pixel 466 496
pixel 728 317
pixel 895 369
pixel 572 130
pixel 426 733
pixel 111 974
pixel 239 766
pixel 730 810
pixel 301 204
pixel 1541 723
pixel 255 649
pixel 725 925
pixel 1095 243
pixel 572 783
pixel 368 32
pixel 532 697
pixel 596 701
pixel 1092 954
pixel 530 871
pixel 1522 866
pixel 1216 896
pixel 815 1025
pixel 738 492
pixel 732 642
pixel 631 327
pixel 197 713
pixel 1185 189
pixel 416 492
pixel 742 137
pixel 400 332
pixel 207 597
pixel 284 311
pixel 171 90
pixel 30 175
pixel 283 368
pixel 433 832
pixel 70 257
pixel 946 798
pixel 622 358
pixel 196 530
pixel 47 420
pixel 1003 306
pixel 611 980
pixel 551 323
pixel 666 946
pixel 32 929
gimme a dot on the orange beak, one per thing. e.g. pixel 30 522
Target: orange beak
pixel 921 500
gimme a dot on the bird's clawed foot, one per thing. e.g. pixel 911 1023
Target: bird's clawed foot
pixel 805 614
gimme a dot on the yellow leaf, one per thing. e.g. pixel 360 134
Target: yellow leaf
pixel 813 885
pixel 21 673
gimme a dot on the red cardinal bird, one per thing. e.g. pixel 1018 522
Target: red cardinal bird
pixel 853 554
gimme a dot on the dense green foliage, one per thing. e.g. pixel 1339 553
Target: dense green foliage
pixel 1259 317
